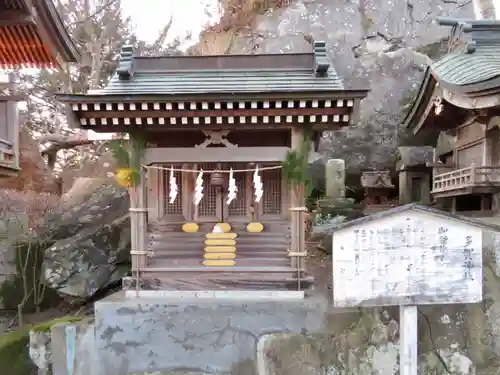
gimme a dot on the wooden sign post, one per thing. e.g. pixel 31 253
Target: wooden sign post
pixel 407 258
pixel 408 340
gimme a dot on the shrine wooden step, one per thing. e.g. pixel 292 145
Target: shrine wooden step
pixel 185 253
pixel 240 246
pixel 239 261
pixel 172 248
pixel 269 226
pixel 236 269
pixel 164 236
pixel 169 243
pixel 223 280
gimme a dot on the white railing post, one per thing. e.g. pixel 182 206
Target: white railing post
pixel 473 173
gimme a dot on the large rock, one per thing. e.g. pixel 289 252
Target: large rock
pixel 384 45
pixel 90 233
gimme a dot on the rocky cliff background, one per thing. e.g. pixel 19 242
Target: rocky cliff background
pixel 383 45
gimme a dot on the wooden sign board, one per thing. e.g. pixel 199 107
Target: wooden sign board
pixel 407 258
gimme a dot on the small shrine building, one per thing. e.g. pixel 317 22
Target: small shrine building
pixel 32 35
pixel 214 209
pixel 456 111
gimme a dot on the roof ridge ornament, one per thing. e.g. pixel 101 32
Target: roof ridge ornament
pixel 321 59
pixel 467 34
pixel 125 69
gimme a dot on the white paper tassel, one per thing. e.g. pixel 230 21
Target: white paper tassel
pixel 198 189
pixel 232 188
pixel 257 185
pixel 174 189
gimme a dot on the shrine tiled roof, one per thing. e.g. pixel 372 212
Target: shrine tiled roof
pixel 32 35
pixel 472 64
pixel 226 91
pixel 226 74
pixel 470 70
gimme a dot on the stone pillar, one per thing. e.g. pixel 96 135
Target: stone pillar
pixel 404 187
pixel 335 178
pixel 425 189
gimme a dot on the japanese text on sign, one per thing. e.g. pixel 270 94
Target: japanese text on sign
pixel 407 258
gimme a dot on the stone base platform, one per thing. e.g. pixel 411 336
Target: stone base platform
pixel 227 295
pixel 220 280
pixel 212 334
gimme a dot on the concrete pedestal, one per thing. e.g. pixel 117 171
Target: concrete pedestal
pixel 208 335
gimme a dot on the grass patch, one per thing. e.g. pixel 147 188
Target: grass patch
pixel 14 354
pixel 14 346
pixel 45 326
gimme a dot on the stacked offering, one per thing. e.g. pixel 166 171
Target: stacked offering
pixel 220 248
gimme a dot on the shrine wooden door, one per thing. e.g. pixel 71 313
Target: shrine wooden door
pixel 238 209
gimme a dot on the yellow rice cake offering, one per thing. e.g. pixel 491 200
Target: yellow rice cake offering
pixel 190 227
pixel 220 249
pixel 220 242
pixel 224 226
pixel 220 256
pixel 255 227
pixel 225 236
pixel 218 263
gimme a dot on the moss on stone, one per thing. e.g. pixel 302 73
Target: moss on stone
pixel 45 326
pixel 14 354
pixel 14 346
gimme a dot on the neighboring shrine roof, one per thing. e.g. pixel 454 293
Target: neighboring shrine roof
pixel 32 35
pixel 376 179
pixel 472 64
pixel 225 74
pixel 412 156
pixel 469 71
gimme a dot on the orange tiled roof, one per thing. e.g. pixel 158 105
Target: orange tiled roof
pixel 33 36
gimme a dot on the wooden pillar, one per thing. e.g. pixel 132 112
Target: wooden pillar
pixel 138 223
pixel 184 186
pixel 142 225
pixel 285 197
pixel 160 198
pixel 297 201
pixel 153 186
pixel 249 196
pixel 134 244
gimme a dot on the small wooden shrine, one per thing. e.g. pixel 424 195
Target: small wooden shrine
pixel 378 186
pixel 456 110
pixel 214 208
pixel 414 168
pixel 32 35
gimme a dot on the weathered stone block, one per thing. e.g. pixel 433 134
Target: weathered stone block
pixel 335 178
pixel 200 336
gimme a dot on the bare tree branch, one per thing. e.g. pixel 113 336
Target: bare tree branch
pixel 60 143
pixel 99 10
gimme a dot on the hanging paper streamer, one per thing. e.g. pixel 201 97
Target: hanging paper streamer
pixel 174 189
pixel 232 188
pixel 198 189
pixel 257 185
